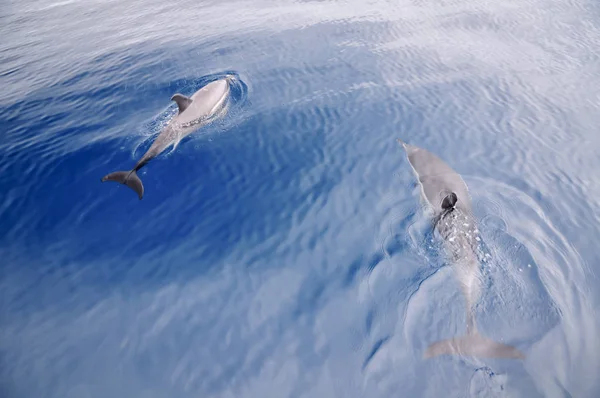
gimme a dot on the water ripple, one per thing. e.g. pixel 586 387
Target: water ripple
pixel 282 251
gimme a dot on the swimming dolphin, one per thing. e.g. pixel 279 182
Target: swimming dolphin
pixel 194 112
pixel 447 194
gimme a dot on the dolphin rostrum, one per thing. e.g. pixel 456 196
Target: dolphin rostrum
pixel 194 112
pixel 447 194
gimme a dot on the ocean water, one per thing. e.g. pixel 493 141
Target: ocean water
pixel 283 251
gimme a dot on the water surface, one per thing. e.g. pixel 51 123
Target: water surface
pixel 283 251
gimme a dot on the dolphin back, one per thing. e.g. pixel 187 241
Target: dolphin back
pixel 205 102
pixel 438 180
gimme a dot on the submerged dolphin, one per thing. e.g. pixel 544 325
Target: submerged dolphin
pixel 194 112
pixel 447 194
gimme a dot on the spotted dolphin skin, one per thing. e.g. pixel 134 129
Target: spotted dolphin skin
pixel 446 193
pixel 194 112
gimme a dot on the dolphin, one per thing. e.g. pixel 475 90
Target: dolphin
pixel 447 195
pixel 194 112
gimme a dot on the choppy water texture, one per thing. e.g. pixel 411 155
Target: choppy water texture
pixel 283 251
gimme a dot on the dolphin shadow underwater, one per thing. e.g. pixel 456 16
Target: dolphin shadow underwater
pixel 447 194
pixel 196 111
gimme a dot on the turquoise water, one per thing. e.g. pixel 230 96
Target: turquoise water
pixel 283 251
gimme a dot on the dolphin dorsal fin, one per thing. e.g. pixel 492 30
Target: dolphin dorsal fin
pixel 182 101
pixel 449 201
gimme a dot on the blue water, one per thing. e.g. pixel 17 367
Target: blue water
pixel 283 251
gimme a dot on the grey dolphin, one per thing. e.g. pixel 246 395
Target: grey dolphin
pixel 194 112
pixel 448 195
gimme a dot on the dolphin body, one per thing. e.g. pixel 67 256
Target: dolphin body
pixel 448 196
pixel 194 112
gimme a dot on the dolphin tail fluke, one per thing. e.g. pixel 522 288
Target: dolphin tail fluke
pixel 129 178
pixel 475 345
